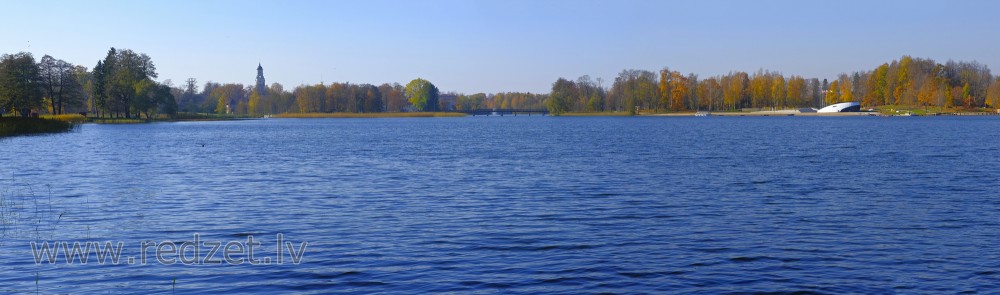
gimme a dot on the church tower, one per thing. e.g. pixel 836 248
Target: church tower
pixel 261 86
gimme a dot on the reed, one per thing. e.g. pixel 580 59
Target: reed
pixel 27 126
pixel 71 118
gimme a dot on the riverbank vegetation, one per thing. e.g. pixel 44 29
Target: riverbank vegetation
pixel 931 110
pixel 909 82
pixel 120 88
pixel 70 118
pixel 12 126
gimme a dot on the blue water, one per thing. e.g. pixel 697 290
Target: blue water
pixel 517 204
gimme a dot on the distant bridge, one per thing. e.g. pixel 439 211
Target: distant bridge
pixel 501 112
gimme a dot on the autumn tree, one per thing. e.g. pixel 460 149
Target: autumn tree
pixel 369 99
pixel 779 91
pixel 666 95
pixel 760 88
pixel 634 89
pixel 692 98
pixel 832 93
pixel 422 95
pixel 928 94
pixel 254 104
pixel 678 91
pixel 797 91
pixel 943 94
pixel 967 100
pixel 902 79
pixel 846 91
pixel 280 101
pixel 993 94
pixel 877 87
pixel 228 98
pixel 734 87
pixel 710 94
pixel 310 98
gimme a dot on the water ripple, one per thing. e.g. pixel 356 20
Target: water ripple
pixel 520 205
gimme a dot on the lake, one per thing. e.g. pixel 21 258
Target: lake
pixel 514 205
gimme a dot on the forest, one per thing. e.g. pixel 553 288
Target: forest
pixel 122 85
pixel 904 82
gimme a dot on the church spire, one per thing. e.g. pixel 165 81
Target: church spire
pixel 261 85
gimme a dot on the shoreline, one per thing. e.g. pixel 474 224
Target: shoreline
pixel 369 115
pixel 789 113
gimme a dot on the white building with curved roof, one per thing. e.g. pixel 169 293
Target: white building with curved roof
pixel 841 108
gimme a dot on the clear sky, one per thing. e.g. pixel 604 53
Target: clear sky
pixel 505 45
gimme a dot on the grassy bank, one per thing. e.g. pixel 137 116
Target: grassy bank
pixel 71 118
pixel 370 115
pixel 10 126
pixel 930 110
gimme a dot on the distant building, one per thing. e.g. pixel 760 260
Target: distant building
pixel 447 101
pixel 261 85
pixel 841 108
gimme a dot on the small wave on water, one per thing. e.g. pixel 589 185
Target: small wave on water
pixel 536 205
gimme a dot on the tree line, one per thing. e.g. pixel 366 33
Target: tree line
pixel 26 85
pixel 239 99
pixel 120 85
pixel 905 82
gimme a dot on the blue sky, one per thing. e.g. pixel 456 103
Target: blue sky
pixel 508 45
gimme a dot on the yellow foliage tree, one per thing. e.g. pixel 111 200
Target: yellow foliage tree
pixel 678 90
pixel 845 91
pixel 832 94
pixel 779 91
pixel 253 104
